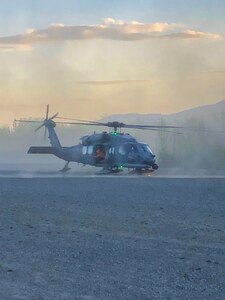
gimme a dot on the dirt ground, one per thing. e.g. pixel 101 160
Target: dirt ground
pixel 112 238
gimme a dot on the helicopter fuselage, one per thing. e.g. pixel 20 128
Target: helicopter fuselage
pixel 110 151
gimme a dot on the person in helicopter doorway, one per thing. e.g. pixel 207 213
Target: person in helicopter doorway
pixel 99 154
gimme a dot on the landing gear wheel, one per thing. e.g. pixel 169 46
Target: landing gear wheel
pixel 155 167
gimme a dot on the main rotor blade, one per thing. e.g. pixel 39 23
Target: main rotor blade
pixel 149 127
pixel 120 125
pixel 164 128
pixel 79 120
pixel 160 130
pixel 111 124
pixel 152 126
pixel 27 121
pixel 102 124
pixel 80 123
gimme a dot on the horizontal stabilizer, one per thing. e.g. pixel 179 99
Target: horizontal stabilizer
pixel 41 150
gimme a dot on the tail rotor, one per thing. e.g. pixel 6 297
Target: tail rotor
pixel 47 121
pixel 47 112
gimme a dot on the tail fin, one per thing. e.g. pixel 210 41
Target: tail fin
pixel 53 136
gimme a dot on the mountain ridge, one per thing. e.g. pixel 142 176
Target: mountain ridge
pixel 210 113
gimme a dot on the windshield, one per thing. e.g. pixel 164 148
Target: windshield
pixel 146 148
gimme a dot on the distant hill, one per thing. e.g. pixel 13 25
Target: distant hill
pixel 211 115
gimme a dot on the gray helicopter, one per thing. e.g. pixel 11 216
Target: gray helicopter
pixel 112 151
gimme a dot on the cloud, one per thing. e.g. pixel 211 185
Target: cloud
pixel 113 82
pixel 192 34
pixel 13 46
pixel 137 27
pixel 109 29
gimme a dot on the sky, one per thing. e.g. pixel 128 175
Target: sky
pixel 90 59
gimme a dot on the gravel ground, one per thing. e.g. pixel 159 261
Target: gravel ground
pixel 112 238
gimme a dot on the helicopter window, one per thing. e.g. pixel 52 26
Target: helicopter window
pixel 84 150
pixel 122 150
pixel 90 149
pixel 132 149
pixel 111 150
pixel 99 153
pixel 146 148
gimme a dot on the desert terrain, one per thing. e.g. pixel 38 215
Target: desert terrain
pixel 112 238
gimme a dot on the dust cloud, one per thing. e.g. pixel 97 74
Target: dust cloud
pixel 198 150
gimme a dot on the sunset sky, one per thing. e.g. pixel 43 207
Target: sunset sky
pixel 89 59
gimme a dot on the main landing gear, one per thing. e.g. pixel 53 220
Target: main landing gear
pixel 109 171
pixel 66 168
pixel 144 171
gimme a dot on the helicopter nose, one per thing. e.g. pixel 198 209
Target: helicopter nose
pixel 148 161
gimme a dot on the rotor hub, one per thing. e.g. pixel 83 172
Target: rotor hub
pixel 49 123
pixel 115 125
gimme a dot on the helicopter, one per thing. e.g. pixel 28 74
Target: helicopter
pixel 112 151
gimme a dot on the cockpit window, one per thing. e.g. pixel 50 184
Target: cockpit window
pixel 146 148
pixel 122 150
pixel 132 149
